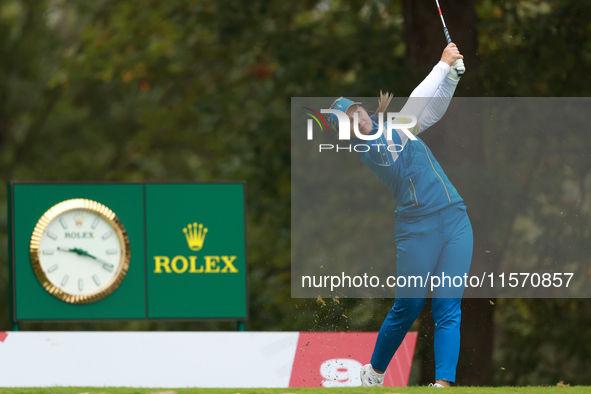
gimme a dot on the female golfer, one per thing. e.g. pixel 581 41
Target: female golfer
pixel 432 230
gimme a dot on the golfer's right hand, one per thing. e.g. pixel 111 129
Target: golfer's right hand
pixel 450 54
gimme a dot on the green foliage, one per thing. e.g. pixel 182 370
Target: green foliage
pixel 196 91
pixel 542 210
pixel 543 341
pixel 534 48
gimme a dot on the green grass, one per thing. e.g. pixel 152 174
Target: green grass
pixel 354 390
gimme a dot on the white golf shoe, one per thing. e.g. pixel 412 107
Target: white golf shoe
pixel 436 385
pixel 370 378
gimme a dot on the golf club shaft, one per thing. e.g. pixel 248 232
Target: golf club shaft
pixel 445 31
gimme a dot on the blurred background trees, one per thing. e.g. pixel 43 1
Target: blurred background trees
pixel 198 90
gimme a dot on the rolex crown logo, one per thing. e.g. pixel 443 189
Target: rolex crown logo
pixel 79 219
pixel 195 235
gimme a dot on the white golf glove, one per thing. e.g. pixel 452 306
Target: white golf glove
pixel 458 66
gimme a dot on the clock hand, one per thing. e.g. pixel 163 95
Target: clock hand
pixel 74 250
pixel 85 253
pixel 101 261
pixel 81 252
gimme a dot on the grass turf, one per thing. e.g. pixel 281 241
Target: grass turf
pixel 352 390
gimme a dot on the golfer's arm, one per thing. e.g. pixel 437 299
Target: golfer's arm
pixel 438 105
pixel 422 94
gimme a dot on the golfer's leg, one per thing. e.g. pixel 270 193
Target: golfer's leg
pixel 418 246
pixel 394 328
pixel 446 317
pixel 454 261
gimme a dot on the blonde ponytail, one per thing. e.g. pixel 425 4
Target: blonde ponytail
pixel 384 101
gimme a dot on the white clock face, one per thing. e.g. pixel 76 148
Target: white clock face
pixel 80 252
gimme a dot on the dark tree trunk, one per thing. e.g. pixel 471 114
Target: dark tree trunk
pixel 425 40
pixel 456 148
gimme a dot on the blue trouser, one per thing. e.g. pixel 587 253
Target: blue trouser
pixel 436 244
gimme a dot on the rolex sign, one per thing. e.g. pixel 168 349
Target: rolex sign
pixel 128 251
pixel 196 250
pixel 195 235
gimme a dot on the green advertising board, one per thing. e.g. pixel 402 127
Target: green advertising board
pixel 91 251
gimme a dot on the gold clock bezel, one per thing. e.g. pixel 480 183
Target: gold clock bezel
pixel 114 222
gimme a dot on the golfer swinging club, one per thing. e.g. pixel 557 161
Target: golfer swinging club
pixel 432 230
